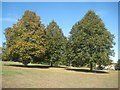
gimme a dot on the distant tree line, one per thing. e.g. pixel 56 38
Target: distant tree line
pixel 117 67
pixel 29 41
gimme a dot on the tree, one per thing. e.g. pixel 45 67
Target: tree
pixel 55 43
pixel 68 55
pixel 25 41
pixel 118 65
pixel 91 42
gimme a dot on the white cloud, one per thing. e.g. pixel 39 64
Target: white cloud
pixel 8 19
pixel 101 12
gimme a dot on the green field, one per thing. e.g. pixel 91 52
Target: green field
pixel 15 75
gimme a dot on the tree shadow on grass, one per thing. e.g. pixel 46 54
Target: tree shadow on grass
pixel 58 66
pixel 87 71
pixel 34 66
pixel 30 66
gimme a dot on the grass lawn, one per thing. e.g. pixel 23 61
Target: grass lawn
pixel 37 76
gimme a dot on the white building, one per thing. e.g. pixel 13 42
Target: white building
pixel 110 67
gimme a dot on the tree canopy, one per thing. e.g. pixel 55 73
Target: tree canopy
pixel 55 43
pixel 118 65
pixel 91 41
pixel 25 41
pixel 28 41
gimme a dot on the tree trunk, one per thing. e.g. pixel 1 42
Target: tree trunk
pixel 25 64
pixel 91 66
pixel 69 63
pixel 51 64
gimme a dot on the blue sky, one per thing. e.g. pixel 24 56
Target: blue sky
pixel 66 14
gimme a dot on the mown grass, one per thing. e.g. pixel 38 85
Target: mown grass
pixel 15 75
pixel 8 72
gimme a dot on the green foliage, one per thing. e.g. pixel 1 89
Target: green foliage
pixel 0 53
pixel 118 65
pixel 25 41
pixel 68 53
pixel 55 43
pixel 91 41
